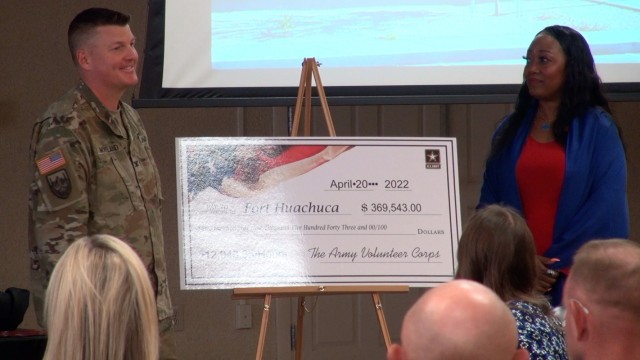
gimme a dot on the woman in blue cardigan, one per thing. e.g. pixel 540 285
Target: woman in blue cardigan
pixel 559 157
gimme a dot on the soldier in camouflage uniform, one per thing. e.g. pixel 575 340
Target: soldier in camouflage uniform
pixel 93 172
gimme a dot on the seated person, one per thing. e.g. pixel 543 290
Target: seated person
pixel 458 320
pixel 100 305
pixel 497 249
pixel 602 301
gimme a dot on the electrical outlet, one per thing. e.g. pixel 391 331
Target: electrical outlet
pixel 178 318
pixel 243 316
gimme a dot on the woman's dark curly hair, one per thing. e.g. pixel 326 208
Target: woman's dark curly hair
pixel 582 88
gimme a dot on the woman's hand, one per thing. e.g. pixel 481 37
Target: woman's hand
pixel 546 277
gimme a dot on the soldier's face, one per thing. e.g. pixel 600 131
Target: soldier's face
pixel 112 58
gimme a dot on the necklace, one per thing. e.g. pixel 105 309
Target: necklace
pixel 543 122
pixel 546 125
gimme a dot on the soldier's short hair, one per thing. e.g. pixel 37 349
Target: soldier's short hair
pixel 609 272
pixel 87 20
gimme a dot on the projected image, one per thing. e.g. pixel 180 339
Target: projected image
pixel 255 48
pixel 249 34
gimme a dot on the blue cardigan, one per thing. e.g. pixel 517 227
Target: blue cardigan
pixel 593 199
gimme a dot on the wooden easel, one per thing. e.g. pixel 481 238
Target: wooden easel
pixel 309 70
pixel 301 292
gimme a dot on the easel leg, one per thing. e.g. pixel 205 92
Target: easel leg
pixel 307 102
pixel 323 99
pixel 300 328
pixel 263 327
pixel 383 322
pixel 304 78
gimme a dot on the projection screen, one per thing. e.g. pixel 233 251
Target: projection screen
pixel 249 52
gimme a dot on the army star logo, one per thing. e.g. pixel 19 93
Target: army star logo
pixel 432 158
pixel 60 184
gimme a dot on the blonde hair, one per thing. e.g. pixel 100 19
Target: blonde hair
pixel 100 304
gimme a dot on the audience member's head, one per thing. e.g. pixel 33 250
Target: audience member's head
pixel 497 249
pixel 100 304
pixel 458 320
pixel 602 301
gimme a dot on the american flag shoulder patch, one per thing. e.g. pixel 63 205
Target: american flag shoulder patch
pixel 50 162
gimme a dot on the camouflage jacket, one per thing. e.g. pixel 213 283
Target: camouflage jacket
pixel 93 173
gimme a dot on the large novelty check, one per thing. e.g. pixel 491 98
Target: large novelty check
pixel 302 211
